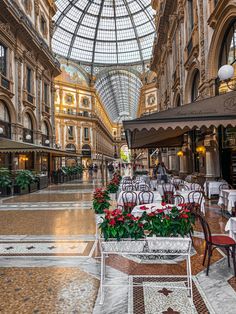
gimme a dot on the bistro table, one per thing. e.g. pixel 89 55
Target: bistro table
pixel 227 199
pixel 231 227
pixel 137 211
pixel 213 187
pixel 185 196
pixel 157 197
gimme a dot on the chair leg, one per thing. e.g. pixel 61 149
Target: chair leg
pixel 234 262
pixel 209 259
pixel 205 253
pixel 228 256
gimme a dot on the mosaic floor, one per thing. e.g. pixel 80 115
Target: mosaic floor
pixel 49 262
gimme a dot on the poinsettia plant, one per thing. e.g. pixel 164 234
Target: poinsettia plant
pixel 120 225
pixel 113 185
pixel 101 200
pixel 169 221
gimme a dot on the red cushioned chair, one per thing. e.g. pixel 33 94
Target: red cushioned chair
pixel 212 242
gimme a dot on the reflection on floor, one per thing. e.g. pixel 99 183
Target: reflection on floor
pixel 49 262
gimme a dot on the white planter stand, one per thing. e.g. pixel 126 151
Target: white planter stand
pixel 150 246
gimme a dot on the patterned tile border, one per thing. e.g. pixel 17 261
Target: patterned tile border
pixel 232 282
pixel 136 297
pixel 6 248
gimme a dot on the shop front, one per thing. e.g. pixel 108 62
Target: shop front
pixel 202 134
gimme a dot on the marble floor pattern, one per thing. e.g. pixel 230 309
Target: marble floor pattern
pixel 49 261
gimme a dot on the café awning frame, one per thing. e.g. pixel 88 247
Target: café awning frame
pixel 11 146
pixel 166 128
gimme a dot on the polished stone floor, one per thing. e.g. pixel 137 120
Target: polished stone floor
pixel 49 262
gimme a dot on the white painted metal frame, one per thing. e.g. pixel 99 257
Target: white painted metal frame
pixel 153 246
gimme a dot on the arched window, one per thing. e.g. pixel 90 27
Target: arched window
pixel 28 124
pixel 71 148
pixel 86 150
pixel 4 113
pixel 178 103
pixel 45 129
pixel 195 86
pixel 228 47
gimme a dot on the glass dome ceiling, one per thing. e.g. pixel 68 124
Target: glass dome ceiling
pixel 104 32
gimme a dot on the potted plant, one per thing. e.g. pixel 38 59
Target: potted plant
pixel 118 225
pixel 101 200
pixel 113 185
pixel 42 181
pixel 22 181
pixel 5 182
pixel 167 223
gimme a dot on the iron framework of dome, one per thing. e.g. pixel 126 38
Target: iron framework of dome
pixel 104 32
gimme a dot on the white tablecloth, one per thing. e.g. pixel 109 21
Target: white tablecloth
pixel 157 197
pixel 212 187
pixel 231 227
pixel 227 199
pixel 185 196
pixel 137 212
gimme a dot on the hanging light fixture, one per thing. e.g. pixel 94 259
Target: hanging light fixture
pixel 1 130
pixel 225 74
pixel 180 153
pixel 28 137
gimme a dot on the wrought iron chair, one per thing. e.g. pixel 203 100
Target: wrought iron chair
pixel 168 192
pixel 195 199
pixel 177 183
pixel 128 187
pixel 184 187
pixel 177 199
pixel 145 197
pixel 144 187
pixel 217 241
pixel 195 187
pixel 225 186
pixel 130 200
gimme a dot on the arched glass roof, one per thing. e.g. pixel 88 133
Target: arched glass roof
pixel 119 91
pixel 104 32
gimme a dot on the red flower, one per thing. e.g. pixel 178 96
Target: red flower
pixel 143 207
pixel 151 214
pixel 163 203
pixel 112 222
pixel 159 211
pixel 129 215
pixel 166 217
pixel 140 225
pixel 184 216
pixel 121 218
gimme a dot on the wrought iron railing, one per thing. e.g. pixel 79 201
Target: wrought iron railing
pixel 30 98
pixel 190 46
pixel 28 135
pixel 5 129
pixel 5 82
pixel 45 140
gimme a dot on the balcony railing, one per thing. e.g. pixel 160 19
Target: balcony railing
pixel 47 109
pixel 30 98
pixel 28 135
pixel 5 82
pixel 190 46
pixel 45 140
pixel 5 129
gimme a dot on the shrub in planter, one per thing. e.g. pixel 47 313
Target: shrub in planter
pixel 100 200
pixel 5 182
pixel 171 221
pixel 113 185
pixel 23 179
pixel 121 225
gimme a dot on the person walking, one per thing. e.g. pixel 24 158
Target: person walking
pixel 162 171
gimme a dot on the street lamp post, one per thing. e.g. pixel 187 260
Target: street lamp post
pixel 225 74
